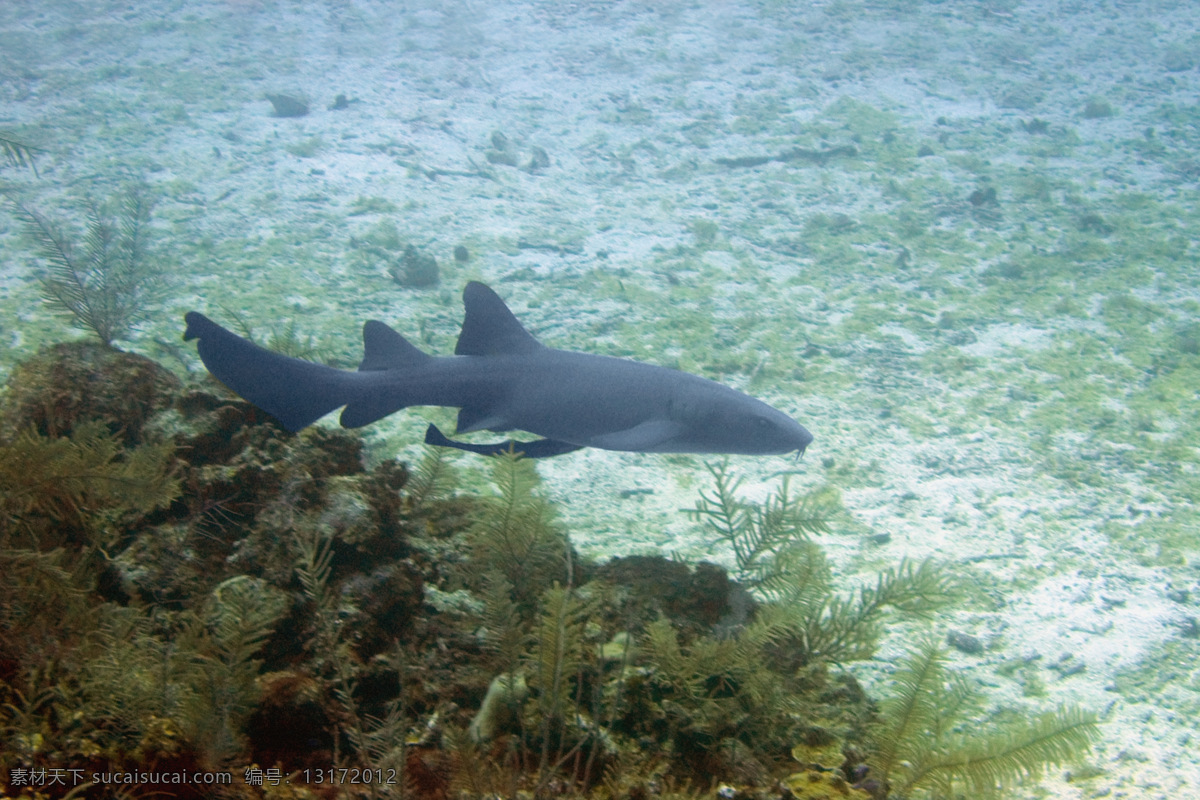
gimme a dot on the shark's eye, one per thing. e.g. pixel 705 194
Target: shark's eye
pixel 763 424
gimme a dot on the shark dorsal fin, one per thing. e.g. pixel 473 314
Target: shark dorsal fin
pixel 383 348
pixel 489 328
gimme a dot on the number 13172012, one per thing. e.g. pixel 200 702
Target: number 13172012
pixel 346 775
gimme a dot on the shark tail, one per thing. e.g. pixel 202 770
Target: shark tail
pixel 295 392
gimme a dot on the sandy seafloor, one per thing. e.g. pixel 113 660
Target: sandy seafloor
pixel 1009 386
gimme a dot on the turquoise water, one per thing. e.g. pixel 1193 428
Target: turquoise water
pixel 957 241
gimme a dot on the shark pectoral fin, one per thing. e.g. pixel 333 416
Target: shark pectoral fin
pixel 435 437
pixel 540 448
pixel 643 437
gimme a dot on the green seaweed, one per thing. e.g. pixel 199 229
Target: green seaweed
pixel 172 677
pixel 17 153
pixel 774 556
pixel 109 280
pixel 56 489
pixel 433 478
pixel 843 629
pixel 765 537
pixel 558 655
pixel 924 746
pixel 45 610
pixel 515 533
pixel 378 741
pixel 505 634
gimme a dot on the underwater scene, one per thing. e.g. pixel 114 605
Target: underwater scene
pixel 624 400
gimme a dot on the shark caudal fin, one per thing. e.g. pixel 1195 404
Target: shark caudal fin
pixel 295 392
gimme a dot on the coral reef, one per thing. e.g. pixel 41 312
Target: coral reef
pixel 189 587
pixel 70 384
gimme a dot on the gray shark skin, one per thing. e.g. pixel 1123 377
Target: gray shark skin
pixel 501 378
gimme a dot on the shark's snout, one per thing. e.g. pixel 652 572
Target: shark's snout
pixel 803 439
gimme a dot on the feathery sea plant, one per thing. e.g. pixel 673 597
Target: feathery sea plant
pixel 558 658
pixel 516 533
pixel 238 618
pixel 240 615
pixel 433 478
pixel 765 537
pixel 84 481
pixel 922 745
pixel 64 505
pixel 137 680
pixel 724 678
pixel 840 629
pixel 775 556
pixel 108 281
pixel 474 773
pixel 505 635
pixel 163 678
pixel 44 606
pixel 287 339
pixel 558 646
pixel 378 741
pixel 17 154
pixel 313 565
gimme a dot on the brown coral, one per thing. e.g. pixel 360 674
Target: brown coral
pixel 75 382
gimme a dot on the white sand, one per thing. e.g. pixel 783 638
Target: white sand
pixel 633 102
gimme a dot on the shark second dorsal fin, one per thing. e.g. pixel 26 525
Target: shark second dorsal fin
pixel 383 348
pixel 489 328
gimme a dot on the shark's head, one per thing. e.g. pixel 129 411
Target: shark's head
pixel 713 418
pixel 760 431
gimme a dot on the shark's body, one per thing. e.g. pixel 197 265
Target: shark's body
pixel 501 378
